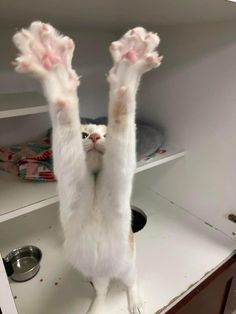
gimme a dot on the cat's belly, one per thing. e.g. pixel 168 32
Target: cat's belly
pixel 98 247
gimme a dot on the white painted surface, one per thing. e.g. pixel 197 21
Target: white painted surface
pixel 115 14
pixel 21 104
pixel 193 96
pixel 174 251
pixel 7 304
pixel 19 196
pixel 28 208
pixel 159 159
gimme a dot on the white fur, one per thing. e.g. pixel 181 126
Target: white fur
pixel 94 180
pixel 94 152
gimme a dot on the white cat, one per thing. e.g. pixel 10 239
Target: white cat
pixel 94 164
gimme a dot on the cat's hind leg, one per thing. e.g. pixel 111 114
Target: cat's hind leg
pixel 129 277
pixel 101 287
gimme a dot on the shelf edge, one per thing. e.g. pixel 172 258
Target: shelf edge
pixel 54 199
pixel 27 209
pixel 164 160
pixel 23 111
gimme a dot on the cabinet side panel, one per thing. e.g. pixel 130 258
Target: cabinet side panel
pixel 7 304
pixel 193 97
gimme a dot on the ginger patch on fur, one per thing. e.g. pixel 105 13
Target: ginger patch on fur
pixel 119 111
pixel 131 242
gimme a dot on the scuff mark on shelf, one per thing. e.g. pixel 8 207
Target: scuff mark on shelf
pixel 187 211
pixel 208 224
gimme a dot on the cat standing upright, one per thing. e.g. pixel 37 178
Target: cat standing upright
pixel 94 164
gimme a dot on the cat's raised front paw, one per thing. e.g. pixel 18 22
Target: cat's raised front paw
pixel 43 49
pixel 137 46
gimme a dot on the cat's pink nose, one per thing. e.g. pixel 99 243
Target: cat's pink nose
pixel 94 137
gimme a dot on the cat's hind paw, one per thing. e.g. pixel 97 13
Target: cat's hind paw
pixel 136 308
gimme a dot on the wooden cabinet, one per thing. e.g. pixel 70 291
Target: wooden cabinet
pixel 215 295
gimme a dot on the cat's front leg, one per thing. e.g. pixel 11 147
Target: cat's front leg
pixel 46 55
pixel 133 55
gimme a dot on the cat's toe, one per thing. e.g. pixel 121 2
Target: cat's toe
pixel 153 60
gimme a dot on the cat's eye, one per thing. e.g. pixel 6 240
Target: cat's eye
pixel 105 135
pixel 84 135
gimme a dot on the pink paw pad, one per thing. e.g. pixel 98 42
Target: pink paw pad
pixel 24 65
pixel 25 34
pixel 70 44
pixel 45 27
pixel 131 55
pixel 61 104
pixel 150 58
pixel 49 60
pixel 122 91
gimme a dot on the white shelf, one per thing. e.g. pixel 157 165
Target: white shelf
pixel 20 197
pixel 171 237
pixel 159 159
pixel 21 104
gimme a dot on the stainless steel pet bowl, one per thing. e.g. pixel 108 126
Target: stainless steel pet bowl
pixel 25 262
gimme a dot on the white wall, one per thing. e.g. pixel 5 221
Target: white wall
pixel 193 95
pixel 91 61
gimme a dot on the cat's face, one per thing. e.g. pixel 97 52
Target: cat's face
pixel 94 138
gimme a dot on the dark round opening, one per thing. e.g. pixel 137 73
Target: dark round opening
pixel 139 219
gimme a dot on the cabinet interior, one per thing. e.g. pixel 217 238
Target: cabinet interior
pixel 191 97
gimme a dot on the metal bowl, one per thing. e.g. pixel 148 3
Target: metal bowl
pixel 25 262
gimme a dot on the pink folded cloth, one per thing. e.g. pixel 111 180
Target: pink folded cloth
pixel 30 161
